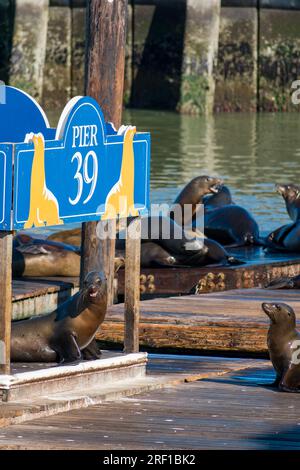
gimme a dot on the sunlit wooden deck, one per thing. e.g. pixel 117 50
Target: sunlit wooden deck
pixel 234 411
pixel 230 321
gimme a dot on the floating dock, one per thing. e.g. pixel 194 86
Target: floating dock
pixel 230 321
pixel 40 296
pixel 259 269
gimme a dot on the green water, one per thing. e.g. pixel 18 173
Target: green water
pixel 251 153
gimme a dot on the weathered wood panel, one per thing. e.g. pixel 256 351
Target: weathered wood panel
pixel 5 300
pixel 105 65
pixel 230 412
pixel 228 321
pixel 172 281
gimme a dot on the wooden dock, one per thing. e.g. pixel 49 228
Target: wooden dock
pixel 230 321
pixel 234 411
pixel 259 269
pixel 38 296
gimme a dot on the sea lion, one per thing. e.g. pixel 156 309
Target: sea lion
pixel 283 344
pixel 153 255
pixel 284 239
pixel 229 224
pixel 287 237
pixel 165 232
pixel 42 258
pixel 284 283
pixel 221 198
pixel 70 237
pixel 67 334
pixel 33 257
pixel 291 196
pixel 194 192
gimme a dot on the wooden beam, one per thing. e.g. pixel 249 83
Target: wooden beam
pixel 105 65
pixel 132 286
pixel 5 300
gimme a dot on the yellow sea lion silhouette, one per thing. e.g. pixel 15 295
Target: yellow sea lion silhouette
pixel 120 199
pixel 44 209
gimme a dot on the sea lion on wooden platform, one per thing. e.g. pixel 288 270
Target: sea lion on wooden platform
pixel 194 192
pixel 44 258
pixel 153 255
pixel 291 196
pixel 284 239
pixel 33 257
pixel 67 334
pixel 221 198
pixel 287 237
pixel 284 346
pixel 229 224
pixel 284 283
pixel 70 237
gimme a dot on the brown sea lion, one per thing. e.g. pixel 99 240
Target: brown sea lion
pixel 284 346
pixel 67 334
pixel 43 258
pixel 287 237
pixel 284 283
pixel 194 192
pixel 33 257
pixel 70 237
pixel 291 195
pixel 153 255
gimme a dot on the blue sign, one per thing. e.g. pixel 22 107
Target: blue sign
pixel 83 170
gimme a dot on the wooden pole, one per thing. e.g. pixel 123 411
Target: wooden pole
pixel 132 286
pixel 105 65
pixel 6 239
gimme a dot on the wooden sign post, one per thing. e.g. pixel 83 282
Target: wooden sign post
pixel 105 65
pixel 104 81
pixel 5 300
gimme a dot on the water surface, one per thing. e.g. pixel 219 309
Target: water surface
pixel 250 152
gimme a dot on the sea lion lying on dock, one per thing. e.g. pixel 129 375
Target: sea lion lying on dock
pixel 284 283
pixel 33 257
pixel 228 223
pixel 44 258
pixel 283 344
pixel 67 334
pixel 287 237
pixel 70 237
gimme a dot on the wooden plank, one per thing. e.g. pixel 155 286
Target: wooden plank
pixel 105 65
pixel 132 287
pixel 229 412
pixel 5 300
pixel 257 272
pixel 226 321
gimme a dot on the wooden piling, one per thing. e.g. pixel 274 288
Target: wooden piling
pixel 105 65
pixel 5 300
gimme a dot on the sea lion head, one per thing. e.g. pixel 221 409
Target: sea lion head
pixel 289 192
pixel 206 185
pixel 94 287
pixel 280 314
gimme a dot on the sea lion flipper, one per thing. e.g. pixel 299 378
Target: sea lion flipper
pixel 92 351
pixel 68 349
pixel 32 249
pixel 291 380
